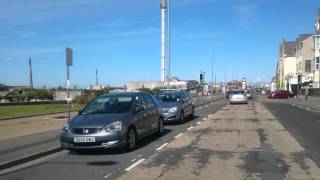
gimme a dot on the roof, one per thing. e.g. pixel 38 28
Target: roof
pixel 303 37
pixel 289 48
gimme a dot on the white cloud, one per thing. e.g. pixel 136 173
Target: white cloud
pixel 191 2
pixel 28 51
pixel 119 34
pixel 247 14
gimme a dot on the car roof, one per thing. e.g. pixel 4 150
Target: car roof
pixel 123 94
pixel 170 92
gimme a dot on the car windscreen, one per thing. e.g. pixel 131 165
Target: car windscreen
pixel 172 97
pixel 109 104
pixel 237 92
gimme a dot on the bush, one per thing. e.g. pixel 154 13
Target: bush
pixel 83 99
pixel 145 90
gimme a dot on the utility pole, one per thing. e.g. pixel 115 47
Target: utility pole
pixel 215 83
pixel 30 74
pixel 168 64
pixel 97 82
pixel 211 92
pixel 212 63
pixel 163 7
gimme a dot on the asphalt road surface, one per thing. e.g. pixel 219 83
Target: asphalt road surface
pixel 100 164
pixel 261 140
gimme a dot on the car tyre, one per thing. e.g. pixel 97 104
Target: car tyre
pixel 181 118
pixel 131 139
pixel 160 127
pixel 192 115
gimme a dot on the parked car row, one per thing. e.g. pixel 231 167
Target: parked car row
pixel 282 94
pixel 121 119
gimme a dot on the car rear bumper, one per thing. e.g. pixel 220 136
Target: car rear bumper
pixel 234 101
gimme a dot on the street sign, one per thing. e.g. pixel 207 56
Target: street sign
pixel 69 57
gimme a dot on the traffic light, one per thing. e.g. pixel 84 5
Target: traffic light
pixel 201 77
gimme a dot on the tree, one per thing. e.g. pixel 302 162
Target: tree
pixel 148 90
pixel 3 87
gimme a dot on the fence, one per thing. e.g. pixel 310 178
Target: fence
pixel 311 92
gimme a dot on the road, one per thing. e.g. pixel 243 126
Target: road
pixel 262 140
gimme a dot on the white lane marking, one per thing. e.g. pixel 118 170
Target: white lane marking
pixel 198 122
pixel 45 118
pixel 133 160
pixel 204 119
pixel 106 176
pixel 177 136
pixel 140 155
pixel 189 128
pixel 308 109
pixel 162 146
pixel 134 165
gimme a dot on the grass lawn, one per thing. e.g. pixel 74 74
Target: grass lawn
pixel 24 110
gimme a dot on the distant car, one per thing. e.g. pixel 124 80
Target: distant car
pixel 238 97
pixel 248 94
pixel 113 120
pixel 282 94
pixel 176 105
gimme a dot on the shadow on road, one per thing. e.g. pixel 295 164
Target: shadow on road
pixel 121 150
pixel 175 123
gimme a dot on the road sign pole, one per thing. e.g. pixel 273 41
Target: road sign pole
pixel 69 62
pixel 68 91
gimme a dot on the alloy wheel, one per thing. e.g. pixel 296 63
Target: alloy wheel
pixel 131 139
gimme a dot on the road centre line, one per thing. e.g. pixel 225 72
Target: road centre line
pixel 162 146
pixel 134 165
pixel 108 175
pixel 189 128
pixel 177 136
pixel 198 122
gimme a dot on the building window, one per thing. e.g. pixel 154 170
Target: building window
pixel 317 63
pixel 308 66
pixel 317 42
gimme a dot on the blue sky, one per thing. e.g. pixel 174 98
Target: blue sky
pixel 122 38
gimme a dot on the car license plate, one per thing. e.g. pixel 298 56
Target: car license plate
pixel 84 139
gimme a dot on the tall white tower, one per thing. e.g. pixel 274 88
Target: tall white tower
pixel 163 7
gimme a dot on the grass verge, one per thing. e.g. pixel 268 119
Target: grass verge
pixel 26 110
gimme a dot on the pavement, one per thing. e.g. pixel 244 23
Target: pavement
pixel 265 139
pixel 24 138
pixel 310 104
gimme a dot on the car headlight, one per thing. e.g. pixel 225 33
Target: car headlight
pixel 115 126
pixel 65 128
pixel 173 109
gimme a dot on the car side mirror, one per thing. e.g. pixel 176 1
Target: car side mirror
pixel 138 108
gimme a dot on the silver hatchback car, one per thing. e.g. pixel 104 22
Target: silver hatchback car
pixel 176 105
pixel 238 97
pixel 113 120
